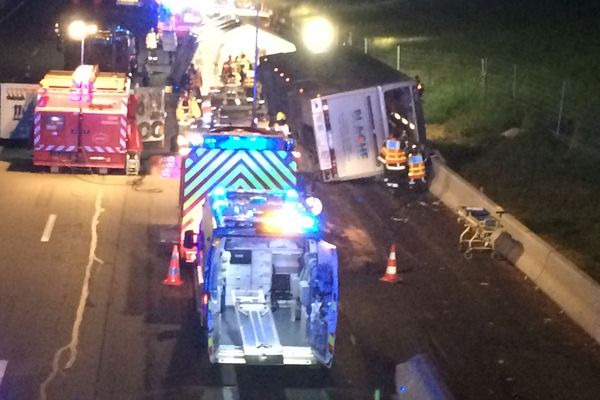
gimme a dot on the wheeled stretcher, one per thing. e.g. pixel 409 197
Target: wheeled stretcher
pixel 480 231
pixel 257 327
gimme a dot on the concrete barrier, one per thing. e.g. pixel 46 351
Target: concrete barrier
pixel 573 290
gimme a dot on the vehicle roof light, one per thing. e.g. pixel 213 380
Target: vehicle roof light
pixel 219 192
pixel 289 221
pixel 247 142
pixel 291 195
pixel 314 205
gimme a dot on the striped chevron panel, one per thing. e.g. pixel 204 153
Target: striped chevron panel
pixel 206 169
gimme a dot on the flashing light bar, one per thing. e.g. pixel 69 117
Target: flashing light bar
pixel 277 212
pixel 235 142
pixel 288 221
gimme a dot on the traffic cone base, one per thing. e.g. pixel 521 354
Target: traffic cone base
pixel 174 273
pixel 391 273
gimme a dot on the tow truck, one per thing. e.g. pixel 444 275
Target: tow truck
pixel 266 284
pixel 232 157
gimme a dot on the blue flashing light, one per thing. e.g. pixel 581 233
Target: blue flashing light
pixel 290 144
pixel 219 192
pixel 258 200
pixel 308 223
pixel 236 142
pixel 220 203
pixel 291 195
pixel 402 389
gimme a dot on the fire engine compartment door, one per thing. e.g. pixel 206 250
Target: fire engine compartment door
pixel 101 133
pixel 324 303
pixel 59 131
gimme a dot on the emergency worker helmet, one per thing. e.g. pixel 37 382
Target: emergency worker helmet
pixel 280 116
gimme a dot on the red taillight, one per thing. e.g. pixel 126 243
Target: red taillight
pixel 205 299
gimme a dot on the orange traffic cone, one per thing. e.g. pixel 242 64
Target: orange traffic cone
pixel 391 275
pixel 174 274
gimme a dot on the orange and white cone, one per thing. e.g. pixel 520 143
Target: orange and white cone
pixel 391 273
pixel 174 274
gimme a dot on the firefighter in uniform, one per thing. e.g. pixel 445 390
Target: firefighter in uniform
pixel 393 158
pixel 187 109
pixel 281 125
pixel 152 45
pixel 416 166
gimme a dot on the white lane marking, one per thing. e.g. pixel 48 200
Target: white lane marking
pixel 72 346
pixel 48 228
pixel 3 364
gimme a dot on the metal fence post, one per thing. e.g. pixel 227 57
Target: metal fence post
pixel 366 46
pixel 560 108
pixel 398 57
pixel 514 82
pixel 483 77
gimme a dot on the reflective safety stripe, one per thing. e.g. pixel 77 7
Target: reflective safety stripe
pixel 416 171
pixel 392 156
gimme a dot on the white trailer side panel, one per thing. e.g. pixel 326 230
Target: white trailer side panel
pixel 353 128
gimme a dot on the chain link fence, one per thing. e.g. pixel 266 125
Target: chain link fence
pixel 532 96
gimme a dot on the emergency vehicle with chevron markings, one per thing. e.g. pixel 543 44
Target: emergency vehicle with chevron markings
pixel 266 284
pixel 231 158
pixel 86 118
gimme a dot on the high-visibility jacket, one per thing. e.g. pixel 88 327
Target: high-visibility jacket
pixel 189 111
pixel 416 166
pixel 282 127
pixel 151 40
pixel 392 155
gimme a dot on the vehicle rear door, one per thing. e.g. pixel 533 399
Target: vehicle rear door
pixel 104 126
pixel 324 303
pixel 57 131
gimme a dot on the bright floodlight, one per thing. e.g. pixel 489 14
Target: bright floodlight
pixel 318 35
pixel 78 29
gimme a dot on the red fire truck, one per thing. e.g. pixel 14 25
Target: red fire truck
pixel 86 118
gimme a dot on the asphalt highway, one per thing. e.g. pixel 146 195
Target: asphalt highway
pixel 84 315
